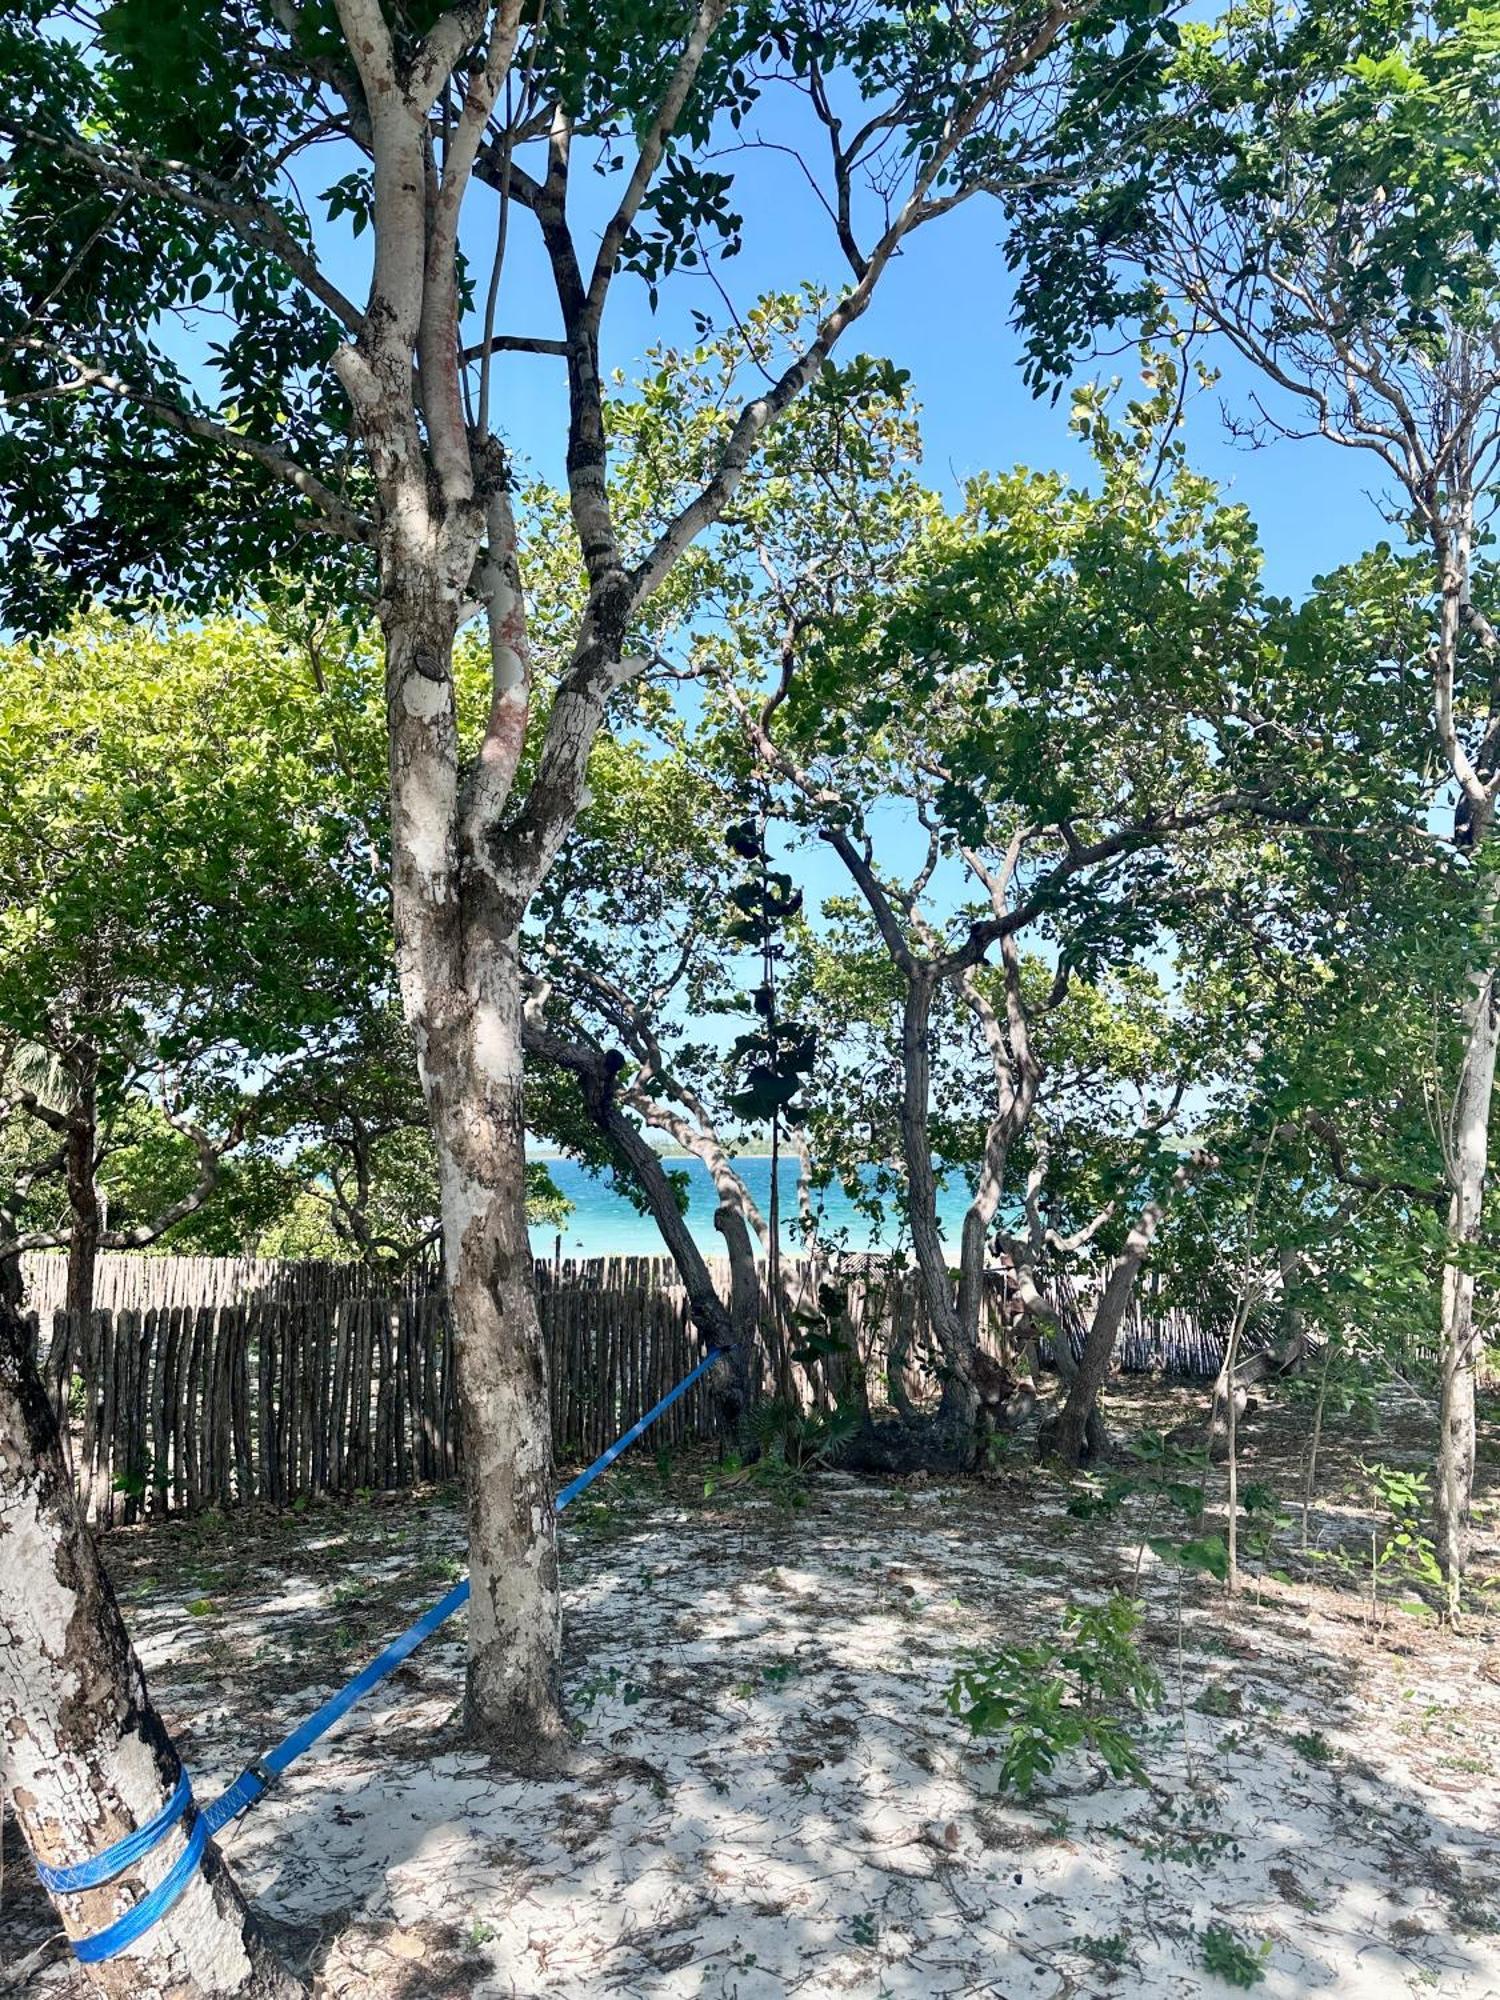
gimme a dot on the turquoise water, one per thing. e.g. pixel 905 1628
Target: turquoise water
pixel 604 1224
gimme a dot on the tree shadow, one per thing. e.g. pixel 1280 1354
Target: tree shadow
pixel 781 1800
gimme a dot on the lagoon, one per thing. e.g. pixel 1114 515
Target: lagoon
pixel 604 1224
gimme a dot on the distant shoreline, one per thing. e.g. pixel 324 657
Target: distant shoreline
pixel 548 1155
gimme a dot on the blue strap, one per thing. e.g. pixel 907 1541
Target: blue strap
pixel 151 1908
pixel 245 1790
pixel 253 1781
pixel 115 1860
pixel 248 1787
pixel 607 1458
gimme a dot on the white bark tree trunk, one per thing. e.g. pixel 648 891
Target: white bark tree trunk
pixel 1077 1427
pixel 1460 1336
pixel 1467 1160
pixel 463 992
pixel 515 1616
pixel 87 1759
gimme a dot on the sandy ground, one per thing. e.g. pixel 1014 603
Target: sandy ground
pixel 778 1800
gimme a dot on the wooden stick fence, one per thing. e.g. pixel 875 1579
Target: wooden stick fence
pixel 203 1382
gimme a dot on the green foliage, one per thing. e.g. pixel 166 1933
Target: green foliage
pixel 177 840
pixel 190 895
pixel 1108 1950
pixel 782 1445
pixel 1362 137
pixel 1209 1553
pixel 610 1682
pixel 547 1207
pixel 776 1056
pixel 1080 1690
pixel 1406 1554
pixel 1229 1958
pixel 156 280
pixel 774 1674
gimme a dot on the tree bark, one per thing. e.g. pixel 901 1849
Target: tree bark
pixel 735 1326
pixel 1460 1337
pixel 954 1423
pixel 1467 1160
pixel 87 1757
pixel 1077 1431
pixel 1269 1363
pixel 462 991
pixel 85 1218
pixel 473 1075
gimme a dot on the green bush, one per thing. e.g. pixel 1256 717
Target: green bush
pixel 1229 1958
pixel 1078 1691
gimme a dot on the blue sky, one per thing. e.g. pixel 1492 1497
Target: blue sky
pixel 943 311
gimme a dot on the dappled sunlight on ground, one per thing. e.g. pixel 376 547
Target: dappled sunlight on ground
pixel 777 1800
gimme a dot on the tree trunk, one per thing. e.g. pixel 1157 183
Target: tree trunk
pixel 85 1220
pixel 1077 1431
pixel 87 1757
pixel 474 1078
pixel 1267 1365
pixel 735 1326
pixel 462 991
pixel 1460 1336
pixel 954 1423
pixel 743 1370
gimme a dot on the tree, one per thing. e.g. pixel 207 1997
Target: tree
pixel 185 898
pixel 1331 211
pixel 628 952
pixel 1041 681
pixel 322 423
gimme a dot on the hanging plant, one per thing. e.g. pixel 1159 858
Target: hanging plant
pixel 774 1058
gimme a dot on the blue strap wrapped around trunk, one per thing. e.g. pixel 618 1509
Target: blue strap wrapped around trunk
pixel 115 1860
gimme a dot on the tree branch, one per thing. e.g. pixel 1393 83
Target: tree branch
pixel 649 155
pixel 187 423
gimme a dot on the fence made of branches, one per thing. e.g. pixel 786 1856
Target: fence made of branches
pixel 210 1382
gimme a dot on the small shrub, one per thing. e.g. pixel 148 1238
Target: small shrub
pixel 1101 1500
pixel 1111 1950
pixel 774 1675
pixel 1314 1746
pixel 786 1445
pixel 1220 1700
pixel 1062 1695
pixel 133 1484
pixel 1407 1554
pixel 1229 1958
pixel 1209 1553
pixel 610 1682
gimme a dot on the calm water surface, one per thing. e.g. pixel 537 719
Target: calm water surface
pixel 604 1224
